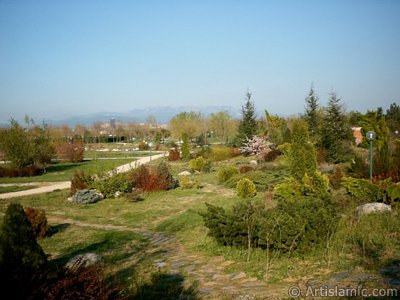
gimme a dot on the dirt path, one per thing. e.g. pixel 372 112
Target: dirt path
pixel 207 273
pixel 52 186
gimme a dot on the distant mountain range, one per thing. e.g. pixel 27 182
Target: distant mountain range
pixel 161 114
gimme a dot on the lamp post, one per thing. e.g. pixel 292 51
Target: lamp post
pixel 371 135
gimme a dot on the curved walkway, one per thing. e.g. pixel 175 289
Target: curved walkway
pixel 53 186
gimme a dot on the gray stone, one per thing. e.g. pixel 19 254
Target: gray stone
pixel 238 275
pixel 340 276
pixel 185 173
pixel 254 162
pixel 160 264
pixel 83 261
pixel 371 208
pixel 87 196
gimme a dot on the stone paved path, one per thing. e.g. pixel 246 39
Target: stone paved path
pixel 52 186
pixel 206 272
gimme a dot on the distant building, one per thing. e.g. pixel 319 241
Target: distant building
pixel 113 123
pixel 357 134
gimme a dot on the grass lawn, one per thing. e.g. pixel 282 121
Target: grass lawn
pixel 116 154
pixel 63 171
pixel 15 188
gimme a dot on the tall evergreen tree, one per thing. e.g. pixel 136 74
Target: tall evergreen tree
pixel 311 114
pixel 248 123
pixel 335 130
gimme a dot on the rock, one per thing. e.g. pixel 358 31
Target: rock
pixel 87 196
pixel 254 162
pixel 184 173
pixel 83 261
pixel 117 194
pixel 372 207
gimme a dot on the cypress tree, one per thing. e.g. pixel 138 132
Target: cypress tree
pixel 248 124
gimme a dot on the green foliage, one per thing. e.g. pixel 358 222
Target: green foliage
pixel 189 123
pixel 185 147
pixel 188 182
pixel 109 186
pixel 143 146
pixel 292 226
pixel 366 191
pixel 315 185
pixel 277 129
pixel 200 164
pixel 26 146
pixel 262 180
pixel 298 225
pixel 312 114
pixel 219 153
pixel 38 220
pixel 302 156
pixel 248 124
pixel 222 125
pixel 225 173
pixel 335 131
pixel 246 189
pixel 21 257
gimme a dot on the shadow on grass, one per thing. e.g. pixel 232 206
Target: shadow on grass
pixel 60 167
pixel 54 229
pixel 165 286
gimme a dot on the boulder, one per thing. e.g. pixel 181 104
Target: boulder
pixel 254 162
pixel 83 261
pixel 368 208
pixel 185 173
pixel 87 196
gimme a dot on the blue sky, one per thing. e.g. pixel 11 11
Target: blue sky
pixel 59 58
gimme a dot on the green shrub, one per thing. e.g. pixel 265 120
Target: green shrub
pixel 186 182
pixel 262 180
pixel 200 164
pixel 80 180
pixel 335 179
pixel 298 225
pixel 316 185
pixel 221 153
pixel 246 189
pixel 226 173
pixel 38 220
pixel 135 195
pixel 143 146
pixel 21 257
pixel 291 226
pixel 109 186
pixel 366 191
pixel 205 152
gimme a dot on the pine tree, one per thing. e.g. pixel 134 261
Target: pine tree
pixel 335 130
pixel 311 115
pixel 248 123
pixel 21 257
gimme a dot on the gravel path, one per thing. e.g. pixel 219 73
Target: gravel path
pixel 205 272
pixel 52 186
